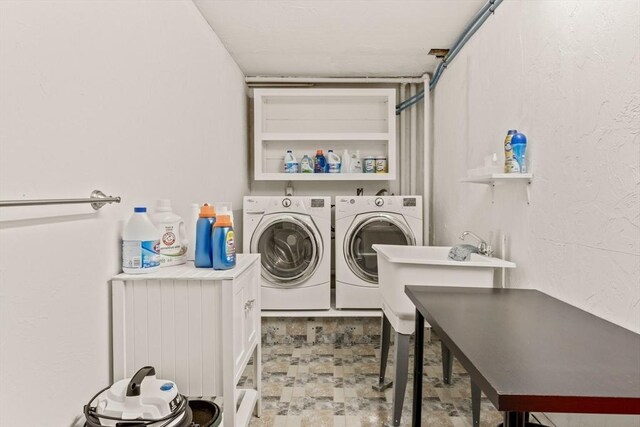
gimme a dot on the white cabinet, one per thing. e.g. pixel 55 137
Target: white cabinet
pixel 197 327
pixel 304 120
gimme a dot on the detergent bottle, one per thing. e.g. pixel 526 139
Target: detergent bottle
pixel 321 162
pixel 344 166
pixel 203 237
pixel 173 235
pixel 223 243
pixel 355 163
pixel 306 164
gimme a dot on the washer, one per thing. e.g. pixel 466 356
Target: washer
pixel 293 237
pixel 364 221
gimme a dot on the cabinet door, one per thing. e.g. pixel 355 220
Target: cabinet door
pixel 246 316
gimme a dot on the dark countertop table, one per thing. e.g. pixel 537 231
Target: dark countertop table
pixel 529 352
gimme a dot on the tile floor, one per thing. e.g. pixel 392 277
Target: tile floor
pixel 329 384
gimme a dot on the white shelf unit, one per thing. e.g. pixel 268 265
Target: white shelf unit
pixel 492 179
pixel 304 120
pixel 198 327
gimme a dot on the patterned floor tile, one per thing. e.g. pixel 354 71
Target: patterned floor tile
pixel 329 384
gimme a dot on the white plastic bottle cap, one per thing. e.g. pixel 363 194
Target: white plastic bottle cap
pixel 163 205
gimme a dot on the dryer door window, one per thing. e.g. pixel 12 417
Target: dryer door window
pixel 289 250
pixel 382 229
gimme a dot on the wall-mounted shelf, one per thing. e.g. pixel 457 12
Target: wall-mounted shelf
pixel 305 120
pixel 322 177
pixel 492 179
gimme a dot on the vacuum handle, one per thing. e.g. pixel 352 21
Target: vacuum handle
pixel 133 389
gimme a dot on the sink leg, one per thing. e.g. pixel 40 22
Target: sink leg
pixel 447 363
pixel 402 373
pixel 385 342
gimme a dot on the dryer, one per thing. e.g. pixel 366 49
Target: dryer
pixel 293 237
pixel 364 221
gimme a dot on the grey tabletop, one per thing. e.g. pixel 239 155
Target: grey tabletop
pixel 531 352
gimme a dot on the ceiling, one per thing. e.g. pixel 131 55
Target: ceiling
pixel 337 38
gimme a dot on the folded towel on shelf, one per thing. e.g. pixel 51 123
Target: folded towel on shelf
pixel 462 252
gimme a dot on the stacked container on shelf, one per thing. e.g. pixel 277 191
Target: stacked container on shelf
pixel 333 163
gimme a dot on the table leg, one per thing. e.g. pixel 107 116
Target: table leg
pixel 475 403
pixel 401 376
pixel 515 419
pixel 417 371
pixel 385 341
pixel 447 363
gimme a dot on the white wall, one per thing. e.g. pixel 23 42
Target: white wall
pixel 136 98
pixel 566 74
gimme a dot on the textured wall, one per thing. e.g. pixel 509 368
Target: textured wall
pixel 137 98
pixel 566 74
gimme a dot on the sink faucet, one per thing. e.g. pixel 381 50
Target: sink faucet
pixel 483 247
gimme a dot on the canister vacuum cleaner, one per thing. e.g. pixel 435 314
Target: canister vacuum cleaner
pixel 145 401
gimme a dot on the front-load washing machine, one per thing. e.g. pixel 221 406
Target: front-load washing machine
pixel 293 237
pixel 364 221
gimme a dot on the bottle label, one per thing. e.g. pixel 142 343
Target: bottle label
pixel 508 155
pixel 172 248
pixel 369 165
pixel 140 253
pixel 306 165
pixel 291 167
pixel 230 247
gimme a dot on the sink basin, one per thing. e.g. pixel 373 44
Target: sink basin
pixel 399 266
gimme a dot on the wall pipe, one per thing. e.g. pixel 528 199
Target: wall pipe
pixel 427 160
pixel 480 17
pixel 403 143
pixel 285 79
pixel 493 4
pixel 413 147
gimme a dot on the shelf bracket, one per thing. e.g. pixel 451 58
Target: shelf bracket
pixel 528 192
pixel 492 184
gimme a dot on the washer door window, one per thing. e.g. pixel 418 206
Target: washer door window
pixel 290 250
pixel 383 229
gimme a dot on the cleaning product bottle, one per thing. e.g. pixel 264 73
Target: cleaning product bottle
pixel 508 152
pixel 333 162
pixel 306 164
pixel 224 208
pixel 320 163
pixel 190 225
pixel 355 163
pixel 290 163
pixel 173 235
pixel 518 147
pixel 140 244
pixel 203 237
pixel 223 243
pixel 344 167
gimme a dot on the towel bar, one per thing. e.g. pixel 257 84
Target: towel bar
pixel 97 199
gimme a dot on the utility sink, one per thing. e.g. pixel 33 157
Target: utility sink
pixel 399 266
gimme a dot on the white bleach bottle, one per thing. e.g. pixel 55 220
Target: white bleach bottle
pixel 140 244
pixel 173 235
pixel 333 162
pixel 290 163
